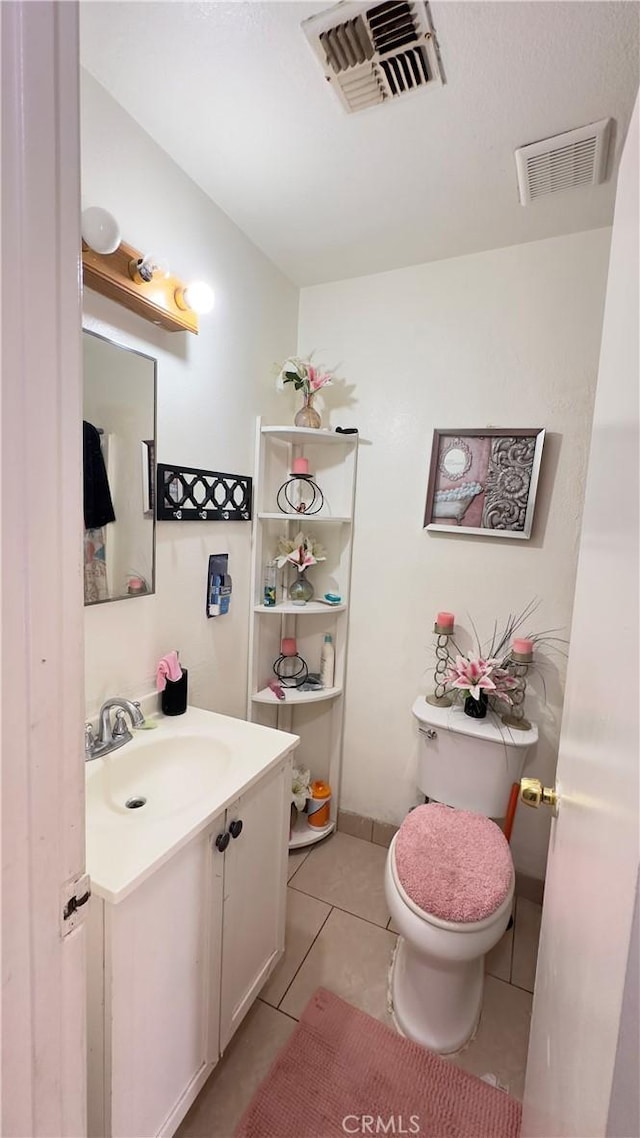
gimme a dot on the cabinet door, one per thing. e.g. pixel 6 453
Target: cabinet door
pixel 163 946
pixel 255 885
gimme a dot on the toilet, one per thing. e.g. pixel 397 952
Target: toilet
pixel 449 876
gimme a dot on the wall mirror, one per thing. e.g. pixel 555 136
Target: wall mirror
pixel 119 433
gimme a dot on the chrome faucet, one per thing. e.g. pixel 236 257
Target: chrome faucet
pixel 111 736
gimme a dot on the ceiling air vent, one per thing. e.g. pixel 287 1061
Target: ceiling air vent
pixel 575 158
pixel 373 53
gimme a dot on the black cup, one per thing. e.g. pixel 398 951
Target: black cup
pixel 173 700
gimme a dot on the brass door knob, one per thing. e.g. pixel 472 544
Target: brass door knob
pixel 533 793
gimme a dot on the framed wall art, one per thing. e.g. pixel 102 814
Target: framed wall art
pixel 484 481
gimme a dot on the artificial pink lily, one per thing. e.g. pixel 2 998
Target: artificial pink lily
pixel 317 378
pixel 472 674
pixel 301 552
pixel 301 557
pixel 304 376
pixel 475 674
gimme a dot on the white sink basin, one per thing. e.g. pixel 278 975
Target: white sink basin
pixel 176 779
pixel 153 777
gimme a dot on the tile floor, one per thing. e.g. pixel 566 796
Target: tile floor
pixel 339 936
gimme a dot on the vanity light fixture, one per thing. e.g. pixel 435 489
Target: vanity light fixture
pixel 198 297
pixel 142 283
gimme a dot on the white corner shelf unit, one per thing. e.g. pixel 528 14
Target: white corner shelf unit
pixel 316 716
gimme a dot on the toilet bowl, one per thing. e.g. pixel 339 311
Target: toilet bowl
pixel 449 884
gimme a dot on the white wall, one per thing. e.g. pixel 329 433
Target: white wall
pixel 210 388
pixel 505 338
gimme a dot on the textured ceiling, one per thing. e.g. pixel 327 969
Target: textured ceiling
pixel 233 92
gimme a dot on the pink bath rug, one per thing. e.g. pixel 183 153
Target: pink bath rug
pixel 342 1072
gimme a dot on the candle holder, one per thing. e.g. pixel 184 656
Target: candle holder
pixel 290 668
pixel 294 503
pixel 515 718
pixel 441 697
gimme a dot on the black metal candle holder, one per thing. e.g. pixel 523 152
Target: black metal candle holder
pixel 292 671
pixel 286 499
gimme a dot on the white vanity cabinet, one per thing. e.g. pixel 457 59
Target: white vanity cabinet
pixel 175 965
pixel 255 895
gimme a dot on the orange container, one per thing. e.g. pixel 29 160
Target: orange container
pixel 320 804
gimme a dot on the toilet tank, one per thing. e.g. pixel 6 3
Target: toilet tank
pixel 469 763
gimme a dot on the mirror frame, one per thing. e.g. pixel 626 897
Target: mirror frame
pixel 153 360
pixel 467 458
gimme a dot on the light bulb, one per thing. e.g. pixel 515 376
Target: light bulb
pixel 100 230
pixel 196 296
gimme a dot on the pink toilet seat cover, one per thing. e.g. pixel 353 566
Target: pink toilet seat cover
pixel 453 864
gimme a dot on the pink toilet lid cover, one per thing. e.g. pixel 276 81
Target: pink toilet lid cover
pixel 453 864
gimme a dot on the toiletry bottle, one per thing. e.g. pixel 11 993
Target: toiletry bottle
pixel 319 804
pixel 327 662
pixel 270 581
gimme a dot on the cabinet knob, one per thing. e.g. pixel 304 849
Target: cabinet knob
pixel 235 828
pixel 222 841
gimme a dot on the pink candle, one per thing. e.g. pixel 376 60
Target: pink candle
pixel 445 620
pixel 523 647
pixel 289 646
pixel 300 466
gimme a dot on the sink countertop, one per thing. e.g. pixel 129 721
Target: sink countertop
pixel 125 846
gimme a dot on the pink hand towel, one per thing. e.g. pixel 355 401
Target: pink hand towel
pixel 168 669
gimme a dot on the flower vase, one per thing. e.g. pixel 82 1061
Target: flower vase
pixel 307 416
pixel 476 708
pixel 300 589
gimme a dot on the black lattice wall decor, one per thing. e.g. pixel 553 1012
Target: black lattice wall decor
pixel 188 494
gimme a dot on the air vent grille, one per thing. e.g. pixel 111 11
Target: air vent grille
pixel 371 54
pixel 347 45
pixel 362 89
pixel 562 168
pixel 406 70
pixel 392 25
pixel 565 162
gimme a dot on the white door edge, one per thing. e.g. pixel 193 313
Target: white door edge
pixel 42 698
